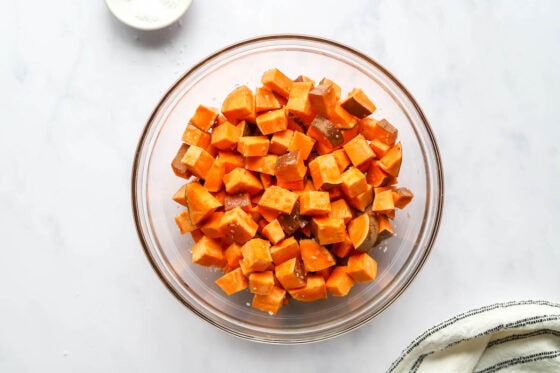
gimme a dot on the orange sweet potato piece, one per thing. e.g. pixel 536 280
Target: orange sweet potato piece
pixel 341 118
pixel 272 121
pixel 342 249
pixel 231 160
pixel 256 254
pixel 314 203
pixel 299 105
pixel 184 222
pixel 361 201
pixel 239 104
pixel 237 225
pixel 339 282
pixel 284 250
pixel 266 179
pixel 195 136
pixel 353 182
pixel 358 103
pixel 280 141
pixel 225 136
pixel 271 302
pixel 323 98
pixel 264 164
pixel 342 159
pixel 232 255
pixel 266 100
pixel 204 117
pixel 214 180
pixel 261 282
pixel 197 235
pixel 273 232
pixel 391 161
pixel 241 180
pixel 363 231
pixel 290 273
pixel 381 130
pixel 278 199
pixel 325 132
pixel 179 168
pixel 314 289
pixel 376 177
pixel 211 227
pixel 340 210
pixel 241 200
pixel 180 195
pixel 300 141
pixel 402 197
pixel 359 151
pixel 232 282
pixel 383 202
pixel 379 147
pixel 324 172
pixel 290 166
pixel 208 252
pixel 295 185
pixel 362 267
pixel 198 161
pixel 336 87
pixel 328 230
pixel 253 146
pixel 315 256
pixel 385 228
pixel 277 81
pixel 200 202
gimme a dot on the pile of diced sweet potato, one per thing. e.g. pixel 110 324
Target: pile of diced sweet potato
pixel 289 186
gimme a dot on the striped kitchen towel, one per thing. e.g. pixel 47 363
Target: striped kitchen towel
pixel 505 337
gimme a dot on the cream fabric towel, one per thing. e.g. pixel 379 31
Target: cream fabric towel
pixel 505 337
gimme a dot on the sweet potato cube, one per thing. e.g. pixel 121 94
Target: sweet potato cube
pixel 284 250
pixel 339 282
pixel 353 182
pixel 179 168
pixel 239 104
pixel 180 195
pixel 265 164
pixel 362 267
pixel 325 132
pixel 294 185
pixel 391 161
pixel 183 221
pixel 241 180
pixel 299 105
pixel 361 201
pixel 241 200
pixel 383 202
pixel 314 203
pixel 385 228
pixel 342 159
pixel 208 252
pixel 261 282
pixel 291 274
pixel 402 197
pixel 271 302
pixel 341 118
pixel 253 146
pixel 195 136
pixel 256 254
pixel 232 282
pixel 324 172
pixel 267 213
pixel 300 141
pixel 340 210
pixel 272 121
pixel 280 141
pixel 277 81
pixel 358 103
pixel 278 199
pixel 204 117
pixel 376 177
pixel 315 289
pixel 273 231
pixel 359 151
pixel 265 100
pixel 211 227
pixel 323 98
pixel 197 235
pixel 237 225
pixel 381 130
pixel 315 256
pixel 379 147
pixel 290 166
pixel 336 87
pixel 232 255
pixel 214 180
pixel 225 136
pixel 342 249
pixel 328 230
pixel 198 161
pixel 200 202
pixel 231 160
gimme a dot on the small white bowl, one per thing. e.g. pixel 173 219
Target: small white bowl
pixel 148 14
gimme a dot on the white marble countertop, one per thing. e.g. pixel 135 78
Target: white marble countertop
pixel 76 291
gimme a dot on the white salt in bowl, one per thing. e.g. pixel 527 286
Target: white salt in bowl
pixel 148 14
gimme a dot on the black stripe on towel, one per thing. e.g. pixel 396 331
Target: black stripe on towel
pixel 521 360
pixel 515 337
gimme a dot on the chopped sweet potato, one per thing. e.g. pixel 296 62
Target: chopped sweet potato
pixel 200 202
pixel 253 146
pixel 339 282
pixel 278 199
pixel 241 180
pixel 361 201
pixel 204 117
pixel 301 142
pixel 208 252
pixel 261 282
pixel 241 200
pixel 402 197
pixel 180 195
pixel 273 232
pixel 266 100
pixel 324 172
pixel 291 273
pixel 195 136
pixel 277 81
pixel 353 183
pixel 232 255
pixel 265 164
pixel 359 151
pixel 385 228
pixel 198 161
pixel 315 289
pixel 299 105
pixel 232 282
pixel 342 249
pixel 214 180
pixel 341 118
pixel 363 231
pixel 179 168
pixel 323 98
pixel 284 250
pixel 184 222
pixel 256 254
pixel 314 202
pixel 358 103
pixel 315 256
pixel 341 210
pixel 383 202
pixel 231 160
pixel 342 159
pixel 325 132
pixel 225 136
pixel 290 166
pixel 362 267
pixel 238 225
pixel 391 161
pixel 211 227
pixel 272 121
pixel 328 230
pixel 270 302
pixel 239 104
pixel 280 141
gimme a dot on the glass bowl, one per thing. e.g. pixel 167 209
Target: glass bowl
pixel 153 184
